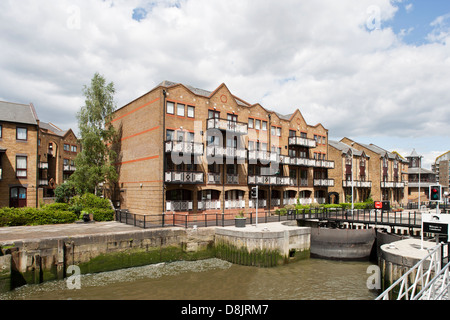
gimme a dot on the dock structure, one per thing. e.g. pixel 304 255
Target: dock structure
pixel 415 270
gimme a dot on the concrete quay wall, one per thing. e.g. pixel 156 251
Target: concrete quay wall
pixel 36 260
pixel 32 255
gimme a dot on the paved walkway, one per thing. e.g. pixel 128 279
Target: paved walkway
pixel 11 234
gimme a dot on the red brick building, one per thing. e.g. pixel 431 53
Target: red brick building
pixel 184 149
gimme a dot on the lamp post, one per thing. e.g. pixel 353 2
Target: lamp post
pixel 420 165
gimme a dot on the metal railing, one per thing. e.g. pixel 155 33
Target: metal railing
pixel 173 219
pixel 425 280
pixel 361 216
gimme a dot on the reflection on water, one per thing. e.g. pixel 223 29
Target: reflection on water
pixel 214 279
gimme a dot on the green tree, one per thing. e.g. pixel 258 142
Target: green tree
pixel 95 162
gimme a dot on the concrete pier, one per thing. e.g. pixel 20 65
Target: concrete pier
pixel 266 245
pixel 399 257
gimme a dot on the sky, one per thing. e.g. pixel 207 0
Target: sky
pixel 376 71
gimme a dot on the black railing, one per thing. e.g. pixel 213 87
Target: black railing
pixel 361 216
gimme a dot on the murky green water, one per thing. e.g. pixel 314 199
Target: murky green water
pixel 214 279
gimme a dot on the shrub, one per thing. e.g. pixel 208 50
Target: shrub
pixel 89 200
pixel 10 217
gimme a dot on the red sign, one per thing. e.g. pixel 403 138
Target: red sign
pixel 378 205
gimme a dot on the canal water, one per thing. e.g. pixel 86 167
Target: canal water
pixel 214 279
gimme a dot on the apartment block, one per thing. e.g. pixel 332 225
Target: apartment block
pixel 32 156
pixel 368 170
pixel 441 168
pixel 57 150
pixel 184 149
pixel 18 156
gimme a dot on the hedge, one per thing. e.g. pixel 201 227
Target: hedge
pixel 11 217
pixel 58 213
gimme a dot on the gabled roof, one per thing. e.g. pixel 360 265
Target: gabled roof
pixel 51 128
pixel 18 113
pixel 345 148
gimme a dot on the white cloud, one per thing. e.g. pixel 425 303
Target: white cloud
pixel 320 56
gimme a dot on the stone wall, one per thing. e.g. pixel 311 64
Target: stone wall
pixel 37 261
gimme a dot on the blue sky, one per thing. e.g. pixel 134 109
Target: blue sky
pixel 415 18
pixel 388 86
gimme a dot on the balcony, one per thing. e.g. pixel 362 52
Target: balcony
pixel 323 183
pixel 43 165
pixel 187 177
pixel 284 159
pixel 264 156
pixel 232 179
pixel 43 182
pixel 227 125
pixel 302 142
pixel 214 178
pixel 357 184
pixel 305 162
pixel 392 184
pixel 271 180
pixel 208 205
pixel 68 168
pixel 234 204
pixel 179 205
pixel 184 147
pixel 229 152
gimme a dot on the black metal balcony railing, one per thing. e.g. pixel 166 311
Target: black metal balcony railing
pixel 190 177
pixel 184 147
pixel 227 125
pixel 302 142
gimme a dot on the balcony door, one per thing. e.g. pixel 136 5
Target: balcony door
pixel 18 197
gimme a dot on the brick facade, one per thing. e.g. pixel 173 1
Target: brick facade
pixel 25 161
pixel 152 126
pixel 18 162
pixel 385 175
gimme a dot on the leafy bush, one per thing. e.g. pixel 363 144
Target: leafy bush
pixel 10 217
pixel 99 207
pixel 89 200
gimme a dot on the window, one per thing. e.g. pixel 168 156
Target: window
pixel 21 166
pixel 250 123
pixel 66 162
pixel 170 107
pixel 291 133
pixel 279 132
pixel 169 135
pixel 258 124
pixel 264 125
pixel 251 145
pixel 272 130
pixel 213 114
pixel 191 112
pixel 0 131
pixel 73 148
pixel 180 110
pixel 22 134
pixel 303 135
pixel 66 147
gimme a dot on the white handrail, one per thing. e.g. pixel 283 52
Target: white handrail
pixel 423 276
